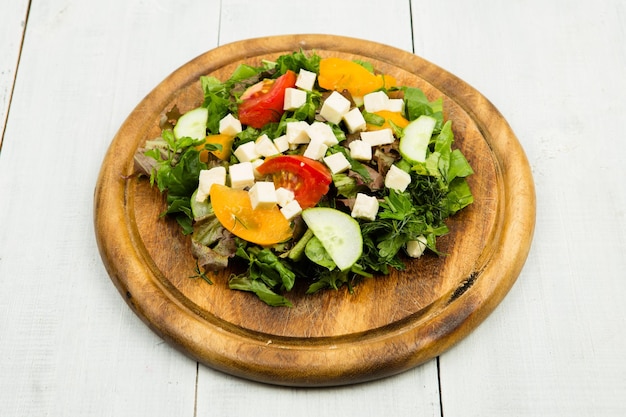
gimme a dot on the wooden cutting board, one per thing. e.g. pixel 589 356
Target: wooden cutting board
pixel 387 324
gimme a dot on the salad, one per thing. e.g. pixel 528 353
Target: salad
pixel 309 169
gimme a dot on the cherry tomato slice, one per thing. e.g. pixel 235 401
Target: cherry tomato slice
pixel 262 107
pixel 308 179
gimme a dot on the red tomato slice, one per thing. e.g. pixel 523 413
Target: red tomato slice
pixel 308 179
pixel 263 108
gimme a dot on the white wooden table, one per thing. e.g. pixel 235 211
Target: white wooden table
pixel 71 71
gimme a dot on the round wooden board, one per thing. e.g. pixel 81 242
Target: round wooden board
pixel 387 324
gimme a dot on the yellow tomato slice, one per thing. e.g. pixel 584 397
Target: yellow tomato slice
pixel 394 117
pixel 233 209
pixel 340 74
pixel 225 140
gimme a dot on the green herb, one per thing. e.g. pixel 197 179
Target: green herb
pixel 317 254
pixel 177 174
pixel 199 273
pixel 417 104
pixel 297 60
pixel 334 279
pixel 266 274
pixel 217 99
pixel 367 65
pixel 260 289
pixel 346 186
pixel 373 118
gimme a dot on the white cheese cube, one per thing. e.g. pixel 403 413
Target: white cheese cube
pixel 294 99
pixel 334 107
pixel 365 207
pixel 415 248
pixel 337 162
pixel 296 132
pixel 378 137
pixel 360 150
pixel 265 147
pixel 320 131
pixel 229 125
pixel 395 105
pixel 284 196
pixel 241 175
pixel 397 179
pixel 262 195
pixel 306 79
pixel 316 149
pixel 354 120
pixel 255 164
pixel 208 177
pixel 291 210
pixel 376 101
pixel 247 152
pixel 281 143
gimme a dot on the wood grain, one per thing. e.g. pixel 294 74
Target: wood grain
pixel 12 25
pixel 388 324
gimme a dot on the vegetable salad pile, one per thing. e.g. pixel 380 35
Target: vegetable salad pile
pixel 308 168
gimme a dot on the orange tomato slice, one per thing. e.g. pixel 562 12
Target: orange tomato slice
pixel 233 209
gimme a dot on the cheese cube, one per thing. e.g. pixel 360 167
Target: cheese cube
pixel 320 131
pixel 255 164
pixel 395 105
pixel 334 107
pixel 265 147
pixel 376 101
pixel 296 133
pixel 415 248
pixel 208 177
pixel 354 120
pixel 378 137
pixel 262 195
pixel 360 150
pixel 365 207
pixel 306 79
pixel 397 179
pixel 241 175
pixel 337 162
pixel 284 196
pixel 281 143
pixel 294 99
pixel 229 125
pixel 291 210
pixel 316 149
pixel 247 152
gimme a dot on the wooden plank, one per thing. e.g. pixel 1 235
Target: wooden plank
pixel 365 19
pixel 12 26
pixel 556 71
pixel 221 393
pixel 413 393
pixel 69 343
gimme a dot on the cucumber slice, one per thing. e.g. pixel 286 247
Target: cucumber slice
pixel 339 233
pixel 414 142
pixel 192 124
